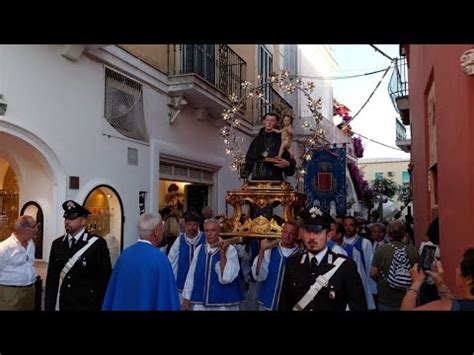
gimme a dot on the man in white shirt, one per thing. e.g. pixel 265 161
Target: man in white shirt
pixel 17 267
pixel 212 282
pixel 364 247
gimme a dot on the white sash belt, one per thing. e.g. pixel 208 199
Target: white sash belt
pixel 321 282
pixel 70 263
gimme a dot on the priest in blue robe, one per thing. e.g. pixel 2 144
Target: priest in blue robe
pixel 142 279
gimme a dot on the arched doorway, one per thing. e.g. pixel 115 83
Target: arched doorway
pixel 9 192
pixel 106 217
pixel 40 177
pixel 34 210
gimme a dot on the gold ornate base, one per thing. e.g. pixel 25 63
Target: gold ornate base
pixel 261 193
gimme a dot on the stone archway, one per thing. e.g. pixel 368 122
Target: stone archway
pixel 40 176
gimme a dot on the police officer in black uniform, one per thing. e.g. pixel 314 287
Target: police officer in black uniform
pixel 84 285
pixel 343 288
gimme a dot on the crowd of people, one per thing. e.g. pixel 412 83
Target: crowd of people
pixel 180 262
pixel 319 263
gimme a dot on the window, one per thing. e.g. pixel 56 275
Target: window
pixel 390 174
pixel 200 59
pixel 179 172
pixel 265 68
pixel 405 177
pixel 124 106
pixel 378 176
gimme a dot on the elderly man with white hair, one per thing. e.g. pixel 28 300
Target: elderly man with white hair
pixel 142 279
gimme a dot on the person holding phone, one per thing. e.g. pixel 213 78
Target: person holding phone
pixel 464 281
pixel 428 291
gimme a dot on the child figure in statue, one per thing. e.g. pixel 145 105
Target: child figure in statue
pixel 286 135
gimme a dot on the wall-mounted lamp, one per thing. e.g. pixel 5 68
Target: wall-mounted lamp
pixel 3 105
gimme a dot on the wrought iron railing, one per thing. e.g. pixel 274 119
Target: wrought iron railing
pixel 277 104
pixel 398 85
pixel 217 64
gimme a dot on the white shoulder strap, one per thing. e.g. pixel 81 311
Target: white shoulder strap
pixel 76 257
pixel 70 264
pixel 321 282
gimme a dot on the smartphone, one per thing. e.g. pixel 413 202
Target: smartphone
pixel 427 257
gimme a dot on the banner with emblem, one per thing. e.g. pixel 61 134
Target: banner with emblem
pixel 325 180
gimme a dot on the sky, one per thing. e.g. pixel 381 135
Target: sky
pixel 377 119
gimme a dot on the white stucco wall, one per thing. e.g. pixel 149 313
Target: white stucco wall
pixel 53 129
pixel 315 61
pixel 60 102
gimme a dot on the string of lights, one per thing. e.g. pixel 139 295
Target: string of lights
pixel 233 141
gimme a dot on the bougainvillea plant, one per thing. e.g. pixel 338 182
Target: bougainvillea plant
pixel 362 188
pixel 343 111
pixel 358 147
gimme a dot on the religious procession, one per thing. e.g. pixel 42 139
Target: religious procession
pixel 222 182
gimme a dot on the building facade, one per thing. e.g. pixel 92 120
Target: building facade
pixel 390 168
pixel 441 114
pixel 113 127
pixel 394 169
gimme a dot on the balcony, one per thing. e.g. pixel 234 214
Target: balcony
pixel 398 89
pixel 277 104
pixel 402 141
pixel 206 74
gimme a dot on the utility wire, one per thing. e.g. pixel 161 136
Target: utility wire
pixel 372 140
pixel 337 77
pixel 373 92
pixel 381 52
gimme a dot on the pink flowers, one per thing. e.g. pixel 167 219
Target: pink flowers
pixel 358 147
pixel 361 186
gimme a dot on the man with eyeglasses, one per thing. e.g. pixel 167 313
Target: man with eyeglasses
pixel 79 265
pixel 17 267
